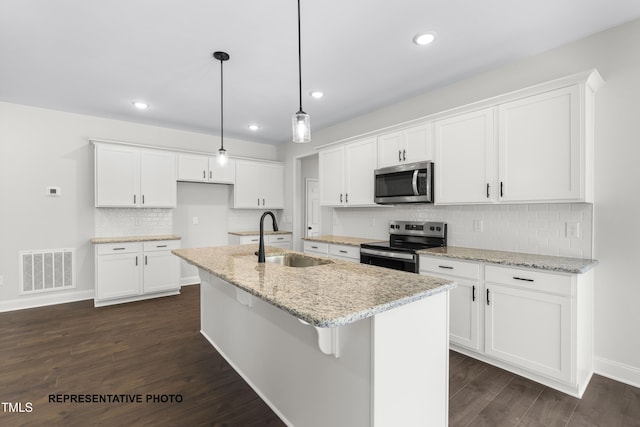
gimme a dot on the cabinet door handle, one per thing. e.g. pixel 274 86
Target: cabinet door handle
pixel 340 197
pixel 445 266
pixel 487 190
pixel 136 260
pixel 204 174
pixel 473 293
pixel 399 155
pixel 145 260
pixel 210 175
pixel 346 197
pixel 258 201
pixel 488 302
pixel 134 199
pixel 501 188
pixel 262 202
pixel 404 155
pixel 523 279
pixel 143 199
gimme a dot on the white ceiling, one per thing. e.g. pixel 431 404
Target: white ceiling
pixel 96 57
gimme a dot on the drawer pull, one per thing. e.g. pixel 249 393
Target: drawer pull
pixel 119 249
pixel 342 252
pixel 314 247
pixel 445 266
pixel 279 238
pixel 523 279
pixel 161 246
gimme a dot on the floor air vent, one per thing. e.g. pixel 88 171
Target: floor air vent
pixel 46 270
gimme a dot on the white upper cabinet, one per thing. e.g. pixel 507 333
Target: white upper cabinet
pixel 540 149
pixel 405 146
pixel 258 185
pixel 530 146
pixel 465 150
pixel 132 177
pixel 346 174
pixel 203 168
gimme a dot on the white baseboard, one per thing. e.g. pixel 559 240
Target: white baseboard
pixel 44 300
pixel 617 371
pixel 190 280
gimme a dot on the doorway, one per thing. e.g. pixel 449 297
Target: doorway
pixel 312 207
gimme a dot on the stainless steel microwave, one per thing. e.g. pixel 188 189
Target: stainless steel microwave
pixel 406 183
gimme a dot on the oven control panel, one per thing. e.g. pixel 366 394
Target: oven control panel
pixel 418 228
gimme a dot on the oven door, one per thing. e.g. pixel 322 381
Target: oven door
pixel 396 260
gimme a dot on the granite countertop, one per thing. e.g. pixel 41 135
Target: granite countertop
pixel 99 240
pixel 515 259
pixel 327 295
pixel 257 233
pixel 340 240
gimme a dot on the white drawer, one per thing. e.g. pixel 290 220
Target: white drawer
pixel 317 247
pixel 245 240
pixel 278 238
pixel 556 283
pixel 345 251
pixel 441 265
pixel 161 245
pixel 118 248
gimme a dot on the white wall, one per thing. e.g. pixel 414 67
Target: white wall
pixel 616 232
pixel 40 148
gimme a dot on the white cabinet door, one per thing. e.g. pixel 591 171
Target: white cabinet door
pixel 117 275
pixel 158 186
pixel 222 174
pixel 193 167
pixel 418 143
pixel 117 176
pixel 331 174
pixel 464 163
pixel 390 148
pixel 272 182
pixel 161 271
pixel 405 146
pixel 540 148
pixel 247 191
pixel 529 329
pixel 464 326
pixel 360 162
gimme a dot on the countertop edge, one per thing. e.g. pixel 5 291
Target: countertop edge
pixel 105 240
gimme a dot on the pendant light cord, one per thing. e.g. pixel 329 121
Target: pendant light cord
pixel 299 58
pixel 221 107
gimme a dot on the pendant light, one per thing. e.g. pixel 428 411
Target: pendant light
pixel 301 120
pixel 222 153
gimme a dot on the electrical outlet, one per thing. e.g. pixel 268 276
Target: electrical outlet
pixel 572 230
pixel 195 220
pixel 478 226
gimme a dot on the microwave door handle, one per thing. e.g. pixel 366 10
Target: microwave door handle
pixel 414 182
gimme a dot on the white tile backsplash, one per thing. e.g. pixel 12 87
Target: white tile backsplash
pixel 113 222
pixel 534 228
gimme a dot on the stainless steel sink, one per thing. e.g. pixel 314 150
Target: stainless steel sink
pixel 296 260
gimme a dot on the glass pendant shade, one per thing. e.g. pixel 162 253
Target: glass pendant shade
pixel 301 127
pixel 222 157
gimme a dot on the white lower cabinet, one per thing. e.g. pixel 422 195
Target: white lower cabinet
pixel 135 270
pixel 347 253
pixel 534 323
pixel 278 240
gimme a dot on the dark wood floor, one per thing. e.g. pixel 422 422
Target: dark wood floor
pixel 154 348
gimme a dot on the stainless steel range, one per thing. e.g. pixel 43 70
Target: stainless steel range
pixel 405 239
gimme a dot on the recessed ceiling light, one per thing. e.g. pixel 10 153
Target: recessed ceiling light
pixel 424 39
pixel 316 94
pixel 254 127
pixel 140 105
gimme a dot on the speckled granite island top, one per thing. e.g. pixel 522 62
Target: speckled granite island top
pixel 99 240
pixel 515 259
pixel 257 233
pixel 340 240
pixel 328 295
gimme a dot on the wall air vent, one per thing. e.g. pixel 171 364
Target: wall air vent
pixel 46 270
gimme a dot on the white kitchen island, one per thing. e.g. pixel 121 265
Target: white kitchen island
pixel 338 344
